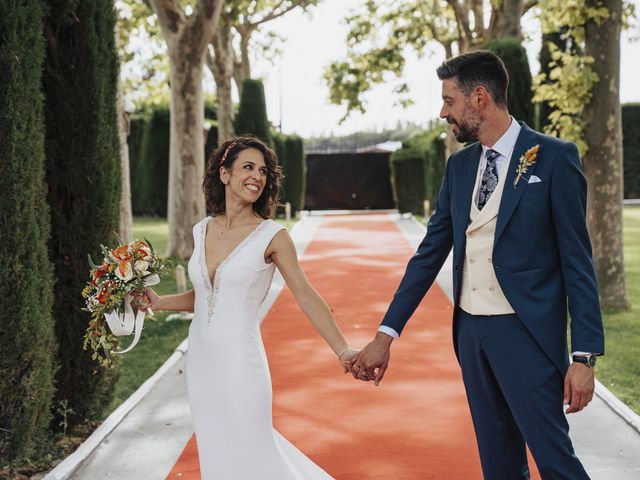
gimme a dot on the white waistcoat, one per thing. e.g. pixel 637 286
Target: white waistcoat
pixel 480 293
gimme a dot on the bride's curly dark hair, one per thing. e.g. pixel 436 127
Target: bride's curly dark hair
pixel 224 156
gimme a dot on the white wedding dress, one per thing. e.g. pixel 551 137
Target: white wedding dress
pixel 228 380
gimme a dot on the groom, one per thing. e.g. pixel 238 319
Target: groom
pixel 512 205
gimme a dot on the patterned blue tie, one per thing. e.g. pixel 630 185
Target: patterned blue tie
pixel 489 179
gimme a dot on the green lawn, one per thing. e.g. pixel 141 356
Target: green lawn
pixel 619 369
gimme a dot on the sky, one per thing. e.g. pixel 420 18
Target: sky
pixel 297 95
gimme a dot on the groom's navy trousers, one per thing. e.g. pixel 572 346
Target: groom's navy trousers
pixel 513 366
pixel 515 394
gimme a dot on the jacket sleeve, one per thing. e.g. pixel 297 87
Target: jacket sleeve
pixel 425 264
pixel 568 208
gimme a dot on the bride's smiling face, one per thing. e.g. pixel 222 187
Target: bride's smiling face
pixel 247 177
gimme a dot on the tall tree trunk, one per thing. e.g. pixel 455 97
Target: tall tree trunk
pixel 221 65
pixel 187 39
pixel 126 215
pixel 186 204
pixel 505 21
pixel 603 161
pixel 242 69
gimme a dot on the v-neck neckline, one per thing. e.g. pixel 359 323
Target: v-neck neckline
pixel 233 251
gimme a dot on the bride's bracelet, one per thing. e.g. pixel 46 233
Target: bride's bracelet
pixel 343 351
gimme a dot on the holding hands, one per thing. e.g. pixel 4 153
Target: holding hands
pixel 371 363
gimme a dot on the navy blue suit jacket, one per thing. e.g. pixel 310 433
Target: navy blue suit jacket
pixel 542 253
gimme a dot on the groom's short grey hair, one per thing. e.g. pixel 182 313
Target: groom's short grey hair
pixel 479 68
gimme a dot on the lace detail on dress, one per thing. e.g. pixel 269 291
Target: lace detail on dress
pixel 264 297
pixel 213 290
pixel 201 258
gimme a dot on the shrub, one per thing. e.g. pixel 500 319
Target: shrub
pixel 631 148
pixel 295 172
pixel 514 56
pixel 417 170
pixel 152 174
pixel 134 141
pixel 408 179
pixel 278 140
pixel 27 340
pixel 431 144
pixel 252 113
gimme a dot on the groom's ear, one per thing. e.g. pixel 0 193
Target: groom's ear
pixel 480 97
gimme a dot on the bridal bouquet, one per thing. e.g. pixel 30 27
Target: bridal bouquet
pixel 113 285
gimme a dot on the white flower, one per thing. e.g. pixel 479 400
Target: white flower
pixel 124 271
pixel 142 267
pixel 146 252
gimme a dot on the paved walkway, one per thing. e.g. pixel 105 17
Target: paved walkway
pixel 415 426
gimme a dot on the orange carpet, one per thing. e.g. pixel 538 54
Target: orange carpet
pixel 416 425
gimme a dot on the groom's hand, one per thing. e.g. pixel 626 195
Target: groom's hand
pixel 579 384
pixel 372 362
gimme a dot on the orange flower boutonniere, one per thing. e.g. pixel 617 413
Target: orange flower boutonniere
pixel 527 159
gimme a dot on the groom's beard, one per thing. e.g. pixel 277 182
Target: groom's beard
pixel 467 132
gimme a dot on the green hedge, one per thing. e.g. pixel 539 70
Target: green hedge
pixel 631 147
pixel 152 172
pixel 417 170
pixel 407 179
pixel 211 142
pixel 252 112
pixel 296 172
pixel 83 174
pixel 149 143
pixel 520 94
pixel 278 139
pixel 293 162
pixel 137 123
pixel 432 145
pixel 27 340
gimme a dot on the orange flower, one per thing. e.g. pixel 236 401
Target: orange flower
pixel 121 253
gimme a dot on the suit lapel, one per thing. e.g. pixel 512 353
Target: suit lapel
pixel 511 195
pixel 467 183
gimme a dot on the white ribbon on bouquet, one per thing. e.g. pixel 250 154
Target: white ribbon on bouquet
pixel 123 323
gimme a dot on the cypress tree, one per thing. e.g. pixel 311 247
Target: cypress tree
pixel 631 149
pixel 252 113
pixel 134 140
pixel 514 56
pixel 83 173
pixel 278 140
pixel 27 342
pixel 153 167
pixel 296 172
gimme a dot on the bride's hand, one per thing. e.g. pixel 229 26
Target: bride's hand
pixel 346 358
pixel 149 300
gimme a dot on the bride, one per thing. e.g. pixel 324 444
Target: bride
pixel 235 254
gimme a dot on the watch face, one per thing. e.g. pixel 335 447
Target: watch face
pixel 591 360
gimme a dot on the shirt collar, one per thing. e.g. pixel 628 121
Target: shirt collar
pixel 507 142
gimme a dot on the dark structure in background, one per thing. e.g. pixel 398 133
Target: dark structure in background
pixel 349 181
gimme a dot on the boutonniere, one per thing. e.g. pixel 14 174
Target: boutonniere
pixel 527 159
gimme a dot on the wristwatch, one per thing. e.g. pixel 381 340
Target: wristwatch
pixel 589 360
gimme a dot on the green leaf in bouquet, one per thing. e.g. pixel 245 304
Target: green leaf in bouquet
pixel 91 264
